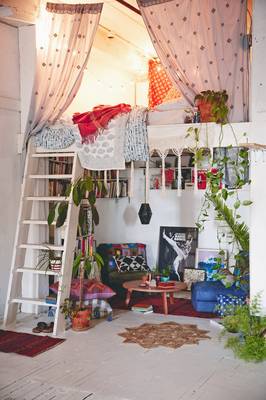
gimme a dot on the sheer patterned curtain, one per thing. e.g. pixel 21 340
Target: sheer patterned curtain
pixel 64 37
pixel 202 45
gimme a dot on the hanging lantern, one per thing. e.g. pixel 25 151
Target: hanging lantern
pixel 145 213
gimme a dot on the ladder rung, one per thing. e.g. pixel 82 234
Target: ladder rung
pixel 38 222
pixel 27 300
pixel 35 222
pixel 37 271
pixel 38 155
pixel 51 176
pixel 34 246
pixel 46 198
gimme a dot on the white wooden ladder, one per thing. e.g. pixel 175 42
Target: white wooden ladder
pixel 28 201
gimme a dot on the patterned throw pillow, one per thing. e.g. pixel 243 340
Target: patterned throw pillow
pixel 132 264
pixel 227 303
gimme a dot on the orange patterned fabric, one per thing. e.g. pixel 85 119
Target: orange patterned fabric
pixel 160 87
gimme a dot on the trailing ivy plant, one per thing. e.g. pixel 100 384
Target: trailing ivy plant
pixel 225 201
pixel 218 101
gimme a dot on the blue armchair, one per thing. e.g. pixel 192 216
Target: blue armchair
pixel 204 294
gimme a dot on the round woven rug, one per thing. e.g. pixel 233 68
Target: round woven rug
pixel 167 334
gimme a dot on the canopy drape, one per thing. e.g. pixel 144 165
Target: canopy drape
pixel 64 37
pixel 202 45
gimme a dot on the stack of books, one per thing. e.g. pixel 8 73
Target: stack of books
pixel 166 285
pixel 142 308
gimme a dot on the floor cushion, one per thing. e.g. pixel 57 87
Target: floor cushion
pixel 92 289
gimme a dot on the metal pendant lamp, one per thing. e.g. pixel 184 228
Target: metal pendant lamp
pixel 145 212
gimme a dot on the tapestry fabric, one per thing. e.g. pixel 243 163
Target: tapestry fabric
pixel 136 136
pixel 125 249
pixel 107 151
pixel 202 46
pixel 160 86
pixel 132 264
pixel 64 37
pixel 93 122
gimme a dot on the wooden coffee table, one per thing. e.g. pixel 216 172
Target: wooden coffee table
pixel 135 286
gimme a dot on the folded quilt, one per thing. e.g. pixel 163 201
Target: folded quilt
pixel 58 136
pixel 91 123
pixel 136 136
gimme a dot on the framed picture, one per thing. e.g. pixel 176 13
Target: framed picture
pixel 193 275
pixel 206 259
pixel 177 249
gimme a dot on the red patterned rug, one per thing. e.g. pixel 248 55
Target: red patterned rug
pixel 180 306
pixel 25 343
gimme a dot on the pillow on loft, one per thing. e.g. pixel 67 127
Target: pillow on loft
pixel 132 264
pixel 177 104
pixel 92 289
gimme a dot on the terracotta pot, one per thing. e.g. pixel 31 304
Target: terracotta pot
pixel 205 111
pixel 81 321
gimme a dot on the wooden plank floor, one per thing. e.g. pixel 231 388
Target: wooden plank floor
pixel 97 365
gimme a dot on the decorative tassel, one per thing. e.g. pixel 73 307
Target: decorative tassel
pixel 163 173
pixel 117 184
pixel 179 176
pixel 195 178
pixel 131 189
pixel 147 178
pixel 105 179
pixel 178 152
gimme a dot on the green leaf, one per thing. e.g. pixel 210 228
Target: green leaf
pixel 51 215
pixel 87 265
pixel 92 198
pixel 95 215
pixel 75 195
pixel 247 202
pixel 98 258
pixel 62 214
pixel 76 264
pixel 68 190
pixel 237 204
pixel 224 194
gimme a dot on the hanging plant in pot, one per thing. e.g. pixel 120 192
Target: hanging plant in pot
pixel 213 106
pixel 83 193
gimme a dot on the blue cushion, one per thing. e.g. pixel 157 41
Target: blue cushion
pixel 227 303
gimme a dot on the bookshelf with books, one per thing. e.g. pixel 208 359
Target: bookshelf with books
pixel 110 180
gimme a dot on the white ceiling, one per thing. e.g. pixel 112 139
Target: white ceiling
pixel 125 24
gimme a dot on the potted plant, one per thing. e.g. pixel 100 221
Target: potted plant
pixel 83 193
pixel 165 274
pixel 49 260
pixel 213 106
pixel 250 343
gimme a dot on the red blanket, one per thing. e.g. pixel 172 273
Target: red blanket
pixel 91 122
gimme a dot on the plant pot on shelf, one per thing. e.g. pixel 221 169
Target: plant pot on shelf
pixel 81 320
pixel 56 264
pixel 205 109
pixel 165 278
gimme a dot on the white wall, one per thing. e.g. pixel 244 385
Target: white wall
pixel 10 172
pixel 119 221
pixel 258 186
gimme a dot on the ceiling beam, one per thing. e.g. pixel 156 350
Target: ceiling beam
pixel 129 6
